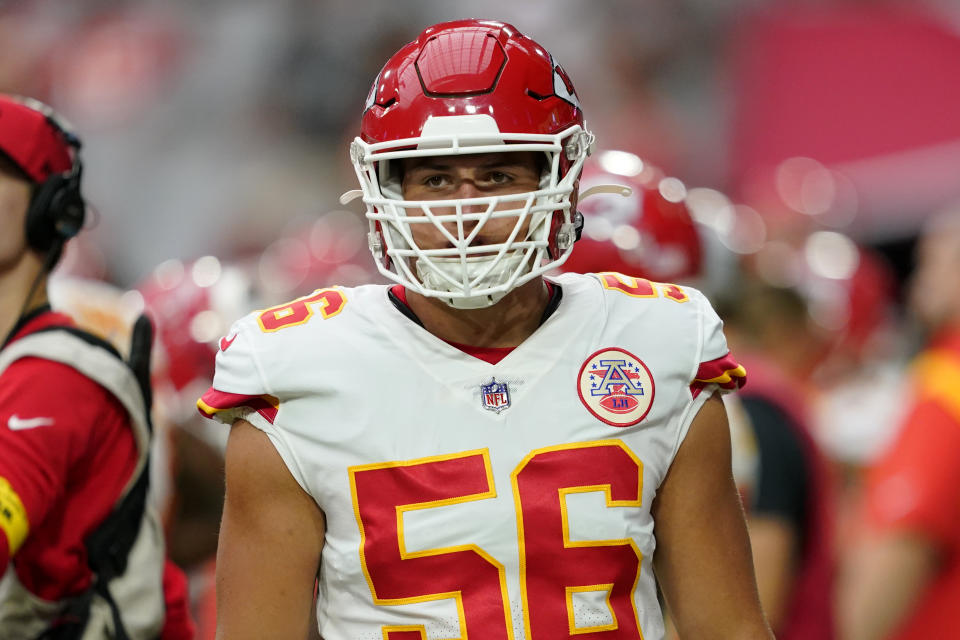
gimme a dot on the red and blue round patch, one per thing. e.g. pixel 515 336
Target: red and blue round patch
pixel 616 387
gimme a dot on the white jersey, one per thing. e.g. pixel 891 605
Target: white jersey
pixel 507 500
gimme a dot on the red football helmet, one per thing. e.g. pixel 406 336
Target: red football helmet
pixel 470 86
pixel 316 251
pixel 192 305
pixel 851 292
pixel 648 233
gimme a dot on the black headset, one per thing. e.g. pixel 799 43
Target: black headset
pixel 57 209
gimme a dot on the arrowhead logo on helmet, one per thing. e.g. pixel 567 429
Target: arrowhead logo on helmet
pixel 562 86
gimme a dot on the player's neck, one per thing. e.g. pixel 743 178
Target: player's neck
pixel 505 324
pixel 15 285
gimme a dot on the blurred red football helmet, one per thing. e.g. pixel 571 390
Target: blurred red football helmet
pixel 649 233
pixel 851 291
pixel 470 86
pixel 192 305
pixel 314 252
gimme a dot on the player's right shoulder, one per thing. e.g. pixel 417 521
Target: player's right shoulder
pixel 277 337
pixel 320 315
pixel 262 358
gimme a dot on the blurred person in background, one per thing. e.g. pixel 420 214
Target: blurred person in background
pixel 789 495
pixel 81 550
pixel 377 430
pixel 901 577
pixel 859 386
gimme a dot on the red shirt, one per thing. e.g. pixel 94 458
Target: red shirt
pixel 915 487
pixel 67 451
pixel 64 451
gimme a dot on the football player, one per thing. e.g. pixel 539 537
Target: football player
pixel 477 450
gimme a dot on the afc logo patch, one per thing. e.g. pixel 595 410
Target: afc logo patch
pixel 616 387
pixel 495 396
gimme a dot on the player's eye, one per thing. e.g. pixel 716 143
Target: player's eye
pixel 436 181
pixel 499 177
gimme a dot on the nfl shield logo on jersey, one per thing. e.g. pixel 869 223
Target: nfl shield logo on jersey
pixel 495 396
pixel 616 387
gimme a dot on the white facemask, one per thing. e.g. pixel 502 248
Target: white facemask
pixel 498 271
pixel 466 275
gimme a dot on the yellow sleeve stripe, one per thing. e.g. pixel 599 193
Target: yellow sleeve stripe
pixel 726 377
pixel 13 517
pixel 253 402
pixel 207 409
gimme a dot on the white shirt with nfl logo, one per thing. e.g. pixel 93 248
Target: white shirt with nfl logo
pixel 467 498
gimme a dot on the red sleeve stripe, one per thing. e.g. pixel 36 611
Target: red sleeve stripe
pixel 724 372
pixel 213 402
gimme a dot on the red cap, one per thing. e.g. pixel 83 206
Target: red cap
pixel 30 141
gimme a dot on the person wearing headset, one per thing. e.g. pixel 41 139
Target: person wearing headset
pixel 81 550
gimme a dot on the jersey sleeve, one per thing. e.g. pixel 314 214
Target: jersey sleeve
pixel 43 436
pixel 716 365
pixel 711 366
pixel 241 389
pixel 238 389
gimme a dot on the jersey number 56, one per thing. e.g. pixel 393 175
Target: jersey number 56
pixel 554 568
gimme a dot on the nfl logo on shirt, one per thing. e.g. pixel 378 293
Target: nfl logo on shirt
pixel 495 396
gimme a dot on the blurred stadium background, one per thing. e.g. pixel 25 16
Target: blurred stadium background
pixel 810 139
pixel 213 127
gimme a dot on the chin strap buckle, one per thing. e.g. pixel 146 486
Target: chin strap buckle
pixel 376 244
pixel 570 232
